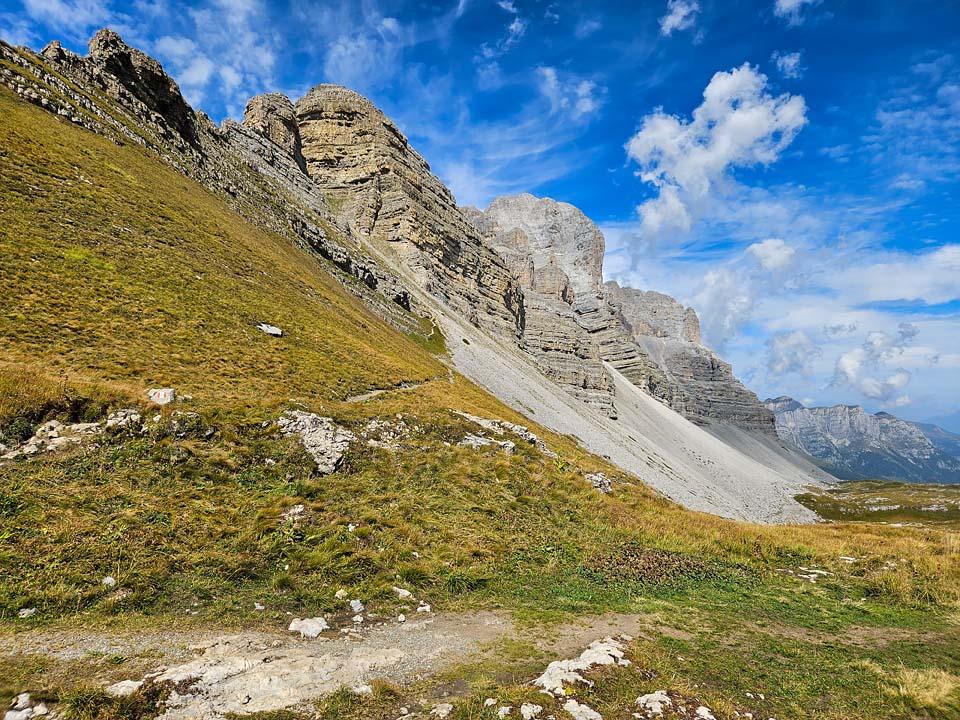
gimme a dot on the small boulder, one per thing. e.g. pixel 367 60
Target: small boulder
pixel 24 613
pixel 270 329
pixel 161 396
pixel 310 627
pixel 601 482
pixel 325 441
pixel 124 688
pixel 442 710
pixel 109 582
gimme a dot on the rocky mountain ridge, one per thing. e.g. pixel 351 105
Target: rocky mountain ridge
pixel 854 444
pixel 337 177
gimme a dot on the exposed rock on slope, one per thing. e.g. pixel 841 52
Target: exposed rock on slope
pixel 120 93
pixel 272 116
pixel 670 334
pixel 384 189
pixel 854 444
pixel 335 176
pixel 556 253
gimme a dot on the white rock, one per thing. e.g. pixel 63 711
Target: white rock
pixel 340 594
pixel 358 619
pixel 257 606
pixel 504 711
pixel 424 608
pixel 325 441
pixel 600 481
pixel 270 329
pixel 655 702
pixel 704 713
pixel 310 627
pixel 489 702
pixel 40 710
pixel 21 701
pixel 18 714
pixel 442 710
pixel 401 618
pixel 528 711
pixel 123 418
pixel 24 613
pixel 581 712
pixel 109 582
pixel 362 690
pixel 161 396
pixel 356 606
pixel 402 594
pixel 600 652
pixel 124 688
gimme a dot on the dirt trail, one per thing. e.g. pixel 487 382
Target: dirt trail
pixel 253 671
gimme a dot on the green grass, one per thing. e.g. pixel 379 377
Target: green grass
pixel 120 275
pixel 890 502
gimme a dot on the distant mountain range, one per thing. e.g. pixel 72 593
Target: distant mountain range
pixel 853 444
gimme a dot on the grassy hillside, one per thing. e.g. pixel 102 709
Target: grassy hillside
pixel 119 275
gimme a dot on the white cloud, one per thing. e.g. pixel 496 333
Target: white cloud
pixel 74 17
pixel 791 352
pixel 878 349
pixel 508 6
pixel 792 10
pixel 725 304
pixel 681 15
pixel 788 64
pixel 772 253
pixel 739 124
pixel 587 27
pixel 577 97
pixel 932 277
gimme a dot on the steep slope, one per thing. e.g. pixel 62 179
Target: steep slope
pixel 854 444
pixel 556 254
pixel 943 440
pixel 182 544
pixel 335 176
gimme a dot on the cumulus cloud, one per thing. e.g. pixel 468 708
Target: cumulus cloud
pixel 681 15
pixel 840 329
pixel 930 277
pixel 791 352
pixel 864 368
pixel 772 253
pixel 738 124
pixel 792 10
pixel 788 64
pixel 726 303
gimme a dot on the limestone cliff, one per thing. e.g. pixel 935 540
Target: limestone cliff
pixel 556 252
pixel 386 192
pixel 705 387
pixel 855 444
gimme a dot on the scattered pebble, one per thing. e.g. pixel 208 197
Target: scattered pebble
pixel 442 710
pixel 24 613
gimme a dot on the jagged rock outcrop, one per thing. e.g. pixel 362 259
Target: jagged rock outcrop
pixel 704 386
pixel 118 92
pixel 144 78
pixel 557 233
pixel 649 337
pixel 272 115
pixel 386 192
pixel 854 444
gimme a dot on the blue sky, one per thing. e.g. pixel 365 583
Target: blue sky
pixel 791 168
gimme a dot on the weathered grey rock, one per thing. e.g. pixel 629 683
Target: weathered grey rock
pixel 272 115
pixel 324 440
pixel 386 192
pixel 144 78
pixel 854 444
pixel 556 232
pixel 476 442
pixel 161 396
pixel 501 426
pixel 310 627
pixel 654 314
pixel 600 481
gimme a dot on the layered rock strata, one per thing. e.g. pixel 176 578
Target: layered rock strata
pixel 556 253
pixel 855 444
pixel 386 192
pixel 118 92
